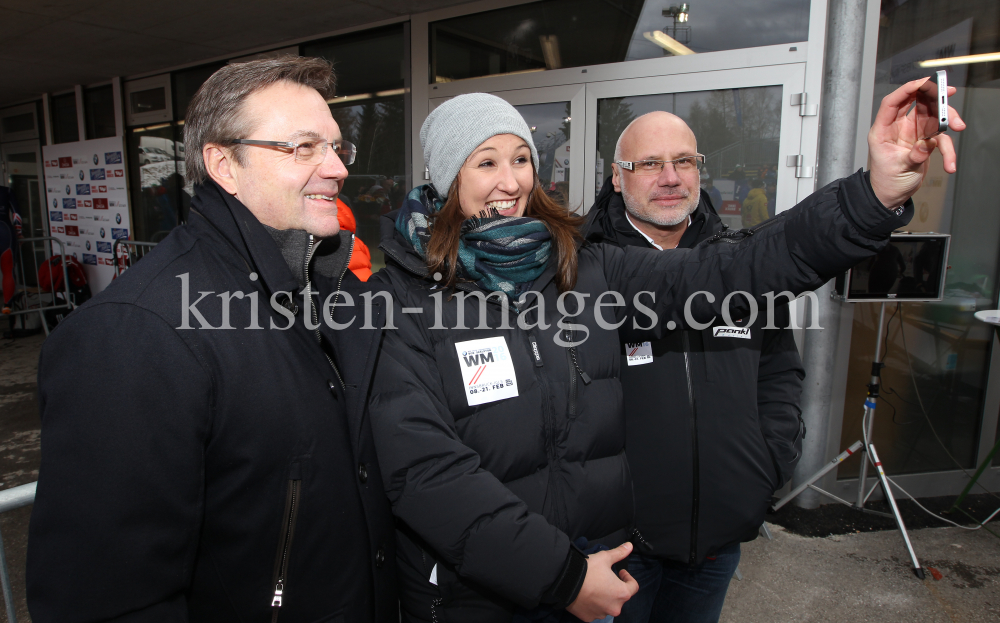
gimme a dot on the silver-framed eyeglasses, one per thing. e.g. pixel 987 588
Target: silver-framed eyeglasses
pixel 309 151
pixel 655 167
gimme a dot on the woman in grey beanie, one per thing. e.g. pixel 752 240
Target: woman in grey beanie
pixel 496 407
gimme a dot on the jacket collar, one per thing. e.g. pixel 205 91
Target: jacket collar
pixel 606 221
pixel 238 226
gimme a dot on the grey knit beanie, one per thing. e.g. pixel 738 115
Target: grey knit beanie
pixel 455 128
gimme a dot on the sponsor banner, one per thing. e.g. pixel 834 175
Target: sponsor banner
pixel 79 191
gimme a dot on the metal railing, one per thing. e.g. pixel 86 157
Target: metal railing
pixel 12 498
pixel 751 154
pixel 31 298
pixel 128 252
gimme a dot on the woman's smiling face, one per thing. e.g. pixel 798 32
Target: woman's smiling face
pixel 498 174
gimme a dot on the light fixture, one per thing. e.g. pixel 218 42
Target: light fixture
pixel 679 13
pixel 343 99
pixel 961 60
pixel 668 43
pixel 550 51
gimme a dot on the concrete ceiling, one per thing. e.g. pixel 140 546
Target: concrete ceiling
pixel 51 45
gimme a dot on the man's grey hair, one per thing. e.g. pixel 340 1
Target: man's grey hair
pixel 216 115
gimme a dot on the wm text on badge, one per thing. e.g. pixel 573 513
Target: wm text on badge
pixel 639 353
pixel 487 371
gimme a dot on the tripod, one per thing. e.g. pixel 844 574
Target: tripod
pixel 866 448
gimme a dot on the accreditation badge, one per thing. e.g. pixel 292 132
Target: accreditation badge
pixel 639 353
pixel 487 370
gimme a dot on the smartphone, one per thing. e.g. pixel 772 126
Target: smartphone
pixel 931 107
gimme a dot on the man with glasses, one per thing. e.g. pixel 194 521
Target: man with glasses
pixel 205 454
pixel 712 417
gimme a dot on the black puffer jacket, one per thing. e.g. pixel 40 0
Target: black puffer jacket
pixel 704 467
pixel 489 497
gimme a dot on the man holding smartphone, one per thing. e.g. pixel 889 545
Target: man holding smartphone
pixel 712 415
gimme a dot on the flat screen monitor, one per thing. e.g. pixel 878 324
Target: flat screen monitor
pixel 910 268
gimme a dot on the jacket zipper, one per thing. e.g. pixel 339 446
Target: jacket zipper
pixel 695 477
pixel 285 545
pixel 734 237
pixel 312 307
pixel 574 369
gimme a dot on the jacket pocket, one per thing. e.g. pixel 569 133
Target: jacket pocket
pixel 285 537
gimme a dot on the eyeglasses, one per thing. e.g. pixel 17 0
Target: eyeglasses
pixel 311 151
pixel 655 167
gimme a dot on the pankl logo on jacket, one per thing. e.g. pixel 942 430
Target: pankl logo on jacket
pixel 740 332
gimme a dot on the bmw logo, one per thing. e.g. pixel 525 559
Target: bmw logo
pixel 102 232
pixel 88 245
pixel 95 162
pixel 118 218
pixel 55 203
pixel 67 189
pixel 81 175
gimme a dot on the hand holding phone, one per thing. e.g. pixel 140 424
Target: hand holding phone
pixel 931 106
pixel 907 130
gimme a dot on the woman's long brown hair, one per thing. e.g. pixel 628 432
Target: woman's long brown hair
pixel 563 225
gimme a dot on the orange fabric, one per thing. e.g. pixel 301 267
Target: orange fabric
pixel 361 257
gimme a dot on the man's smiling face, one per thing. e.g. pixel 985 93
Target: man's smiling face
pixel 668 198
pixel 282 193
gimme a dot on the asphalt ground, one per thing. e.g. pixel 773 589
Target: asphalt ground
pixel 827 564
pixel 19 449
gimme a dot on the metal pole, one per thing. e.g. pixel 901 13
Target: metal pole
pixel 917 570
pixel 840 458
pixel 869 419
pixel 8 594
pixel 845 44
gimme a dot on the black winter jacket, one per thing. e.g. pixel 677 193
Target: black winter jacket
pixel 490 496
pixel 185 470
pixel 713 424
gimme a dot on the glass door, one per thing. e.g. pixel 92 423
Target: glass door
pixel 555 116
pixel 22 174
pixel 742 119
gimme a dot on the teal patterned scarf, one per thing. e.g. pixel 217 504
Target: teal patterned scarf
pixel 499 253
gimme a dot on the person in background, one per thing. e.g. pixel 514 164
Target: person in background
pixel 361 257
pixel 10 233
pixel 754 210
pixel 714 196
pixel 711 415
